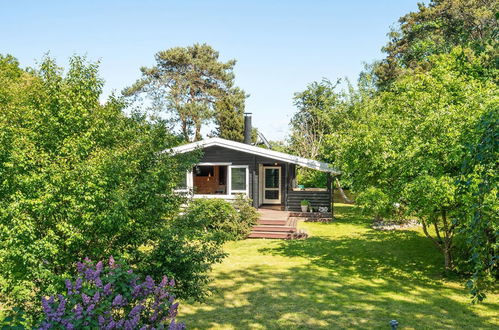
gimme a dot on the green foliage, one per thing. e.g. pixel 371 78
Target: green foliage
pixel 186 253
pixel 193 87
pixel 79 178
pixel 409 142
pixel 311 178
pixel 314 118
pixel 248 215
pixel 305 202
pixel 436 28
pixel 229 116
pixel 376 203
pixel 192 243
pixel 478 191
pixel 222 219
pixel 16 320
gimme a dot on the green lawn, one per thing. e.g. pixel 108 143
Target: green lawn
pixel 345 275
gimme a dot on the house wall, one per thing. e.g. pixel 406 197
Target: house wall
pixel 290 199
pixel 223 155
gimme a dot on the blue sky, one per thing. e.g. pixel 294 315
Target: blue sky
pixel 280 46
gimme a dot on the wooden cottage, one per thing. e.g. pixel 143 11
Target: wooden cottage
pixel 268 177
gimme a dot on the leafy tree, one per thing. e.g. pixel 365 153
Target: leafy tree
pixel 479 190
pixel 409 141
pixel 436 28
pixel 229 116
pixel 312 121
pixel 194 87
pixel 78 178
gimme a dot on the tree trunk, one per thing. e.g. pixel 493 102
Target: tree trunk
pixel 449 266
pixel 342 193
pixel 185 131
pixel 198 136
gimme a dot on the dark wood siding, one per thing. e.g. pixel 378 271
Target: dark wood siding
pixel 224 155
pixel 290 199
pixel 317 198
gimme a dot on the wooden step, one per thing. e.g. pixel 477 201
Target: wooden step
pixel 272 222
pixel 277 235
pixel 274 228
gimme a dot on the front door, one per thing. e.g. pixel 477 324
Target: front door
pixel 271 185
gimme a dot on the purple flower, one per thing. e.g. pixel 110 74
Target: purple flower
pixel 96 297
pixel 78 310
pixel 80 266
pixel 99 266
pixel 120 323
pixel 47 309
pixel 173 310
pixel 149 283
pixel 176 326
pixel 172 282
pixel 78 285
pixel 98 282
pixel 111 325
pixel 118 301
pixel 136 310
pixel 86 299
pixel 69 287
pixel 111 262
pixel 90 308
pixel 107 289
pixel 163 282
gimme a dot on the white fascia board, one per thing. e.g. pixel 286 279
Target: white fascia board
pixel 238 146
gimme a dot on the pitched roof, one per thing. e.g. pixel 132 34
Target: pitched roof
pixel 242 147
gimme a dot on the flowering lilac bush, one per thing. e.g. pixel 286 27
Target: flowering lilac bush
pixel 107 296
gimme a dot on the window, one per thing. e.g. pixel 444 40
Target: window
pixel 204 170
pixel 239 179
pixel 182 184
pixel 222 175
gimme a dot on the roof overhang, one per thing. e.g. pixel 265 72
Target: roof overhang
pixel 242 147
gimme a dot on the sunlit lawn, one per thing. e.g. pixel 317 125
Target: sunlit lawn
pixel 345 275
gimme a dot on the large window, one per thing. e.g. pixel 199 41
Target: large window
pixel 222 179
pixel 239 179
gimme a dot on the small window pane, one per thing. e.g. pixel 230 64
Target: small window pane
pixel 271 194
pixel 238 177
pixel 271 178
pixel 182 184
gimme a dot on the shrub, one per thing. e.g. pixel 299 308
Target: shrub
pixel 248 215
pixel 225 221
pixel 375 203
pixel 186 252
pixel 79 178
pixel 110 296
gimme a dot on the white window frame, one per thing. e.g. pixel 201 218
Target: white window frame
pixel 230 192
pixel 229 180
pixel 279 189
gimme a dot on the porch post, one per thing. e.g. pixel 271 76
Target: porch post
pixel 330 185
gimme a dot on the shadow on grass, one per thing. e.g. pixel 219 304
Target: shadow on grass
pixel 398 254
pixel 355 279
pixel 263 298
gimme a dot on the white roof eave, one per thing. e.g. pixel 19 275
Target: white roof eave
pixel 238 146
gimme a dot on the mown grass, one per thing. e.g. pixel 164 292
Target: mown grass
pixel 344 276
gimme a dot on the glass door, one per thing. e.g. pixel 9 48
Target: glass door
pixel 272 185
